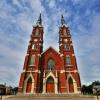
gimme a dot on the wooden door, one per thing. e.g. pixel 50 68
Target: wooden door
pixel 71 86
pixel 29 85
pixel 50 85
pixel 28 89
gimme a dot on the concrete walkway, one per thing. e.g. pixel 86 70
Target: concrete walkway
pixel 49 97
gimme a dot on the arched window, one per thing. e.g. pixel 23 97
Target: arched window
pixel 37 32
pixel 35 46
pixel 66 46
pixel 64 33
pixel 32 60
pixel 51 64
pixel 67 60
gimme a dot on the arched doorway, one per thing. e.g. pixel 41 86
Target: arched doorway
pixel 50 86
pixel 29 85
pixel 71 86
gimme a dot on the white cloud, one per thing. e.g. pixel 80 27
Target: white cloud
pixel 52 3
pixel 11 64
pixel 24 22
pixel 17 3
pixel 13 58
pixel 36 6
pixel 75 2
pixel 86 45
pixel 87 51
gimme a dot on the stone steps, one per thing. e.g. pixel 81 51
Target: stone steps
pixel 49 97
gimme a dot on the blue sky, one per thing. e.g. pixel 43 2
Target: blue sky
pixel 17 18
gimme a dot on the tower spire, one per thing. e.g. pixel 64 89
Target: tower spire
pixel 39 21
pixel 62 20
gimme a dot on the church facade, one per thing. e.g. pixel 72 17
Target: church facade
pixel 50 71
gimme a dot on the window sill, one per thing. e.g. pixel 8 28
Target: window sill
pixel 31 65
pixel 68 65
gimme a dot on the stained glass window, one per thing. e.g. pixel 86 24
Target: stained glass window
pixel 51 64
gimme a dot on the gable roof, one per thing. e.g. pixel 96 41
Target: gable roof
pixel 52 49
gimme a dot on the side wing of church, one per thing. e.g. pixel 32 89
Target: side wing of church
pixel 50 71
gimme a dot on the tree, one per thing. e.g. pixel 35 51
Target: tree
pixel 89 89
pixel 96 83
pixel 15 90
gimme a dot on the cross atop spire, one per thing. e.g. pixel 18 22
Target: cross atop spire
pixel 62 20
pixel 39 21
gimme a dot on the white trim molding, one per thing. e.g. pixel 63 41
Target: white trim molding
pixel 71 44
pixel 61 55
pixel 25 83
pixel 60 44
pixel 74 84
pixel 55 82
pixel 62 71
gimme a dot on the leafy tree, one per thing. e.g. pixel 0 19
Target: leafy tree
pixel 96 83
pixel 15 90
pixel 88 89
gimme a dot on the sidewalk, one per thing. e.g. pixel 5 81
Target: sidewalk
pixel 32 97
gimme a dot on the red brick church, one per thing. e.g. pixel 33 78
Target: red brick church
pixel 50 71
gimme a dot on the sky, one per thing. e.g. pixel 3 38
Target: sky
pixel 17 18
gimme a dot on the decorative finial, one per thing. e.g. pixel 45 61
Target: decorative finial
pixel 39 21
pixel 62 20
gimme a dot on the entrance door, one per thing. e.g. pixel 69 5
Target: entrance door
pixel 71 86
pixel 29 86
pixel 50 85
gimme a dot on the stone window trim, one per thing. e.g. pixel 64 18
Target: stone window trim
pixel 32 65
pixel 69 65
